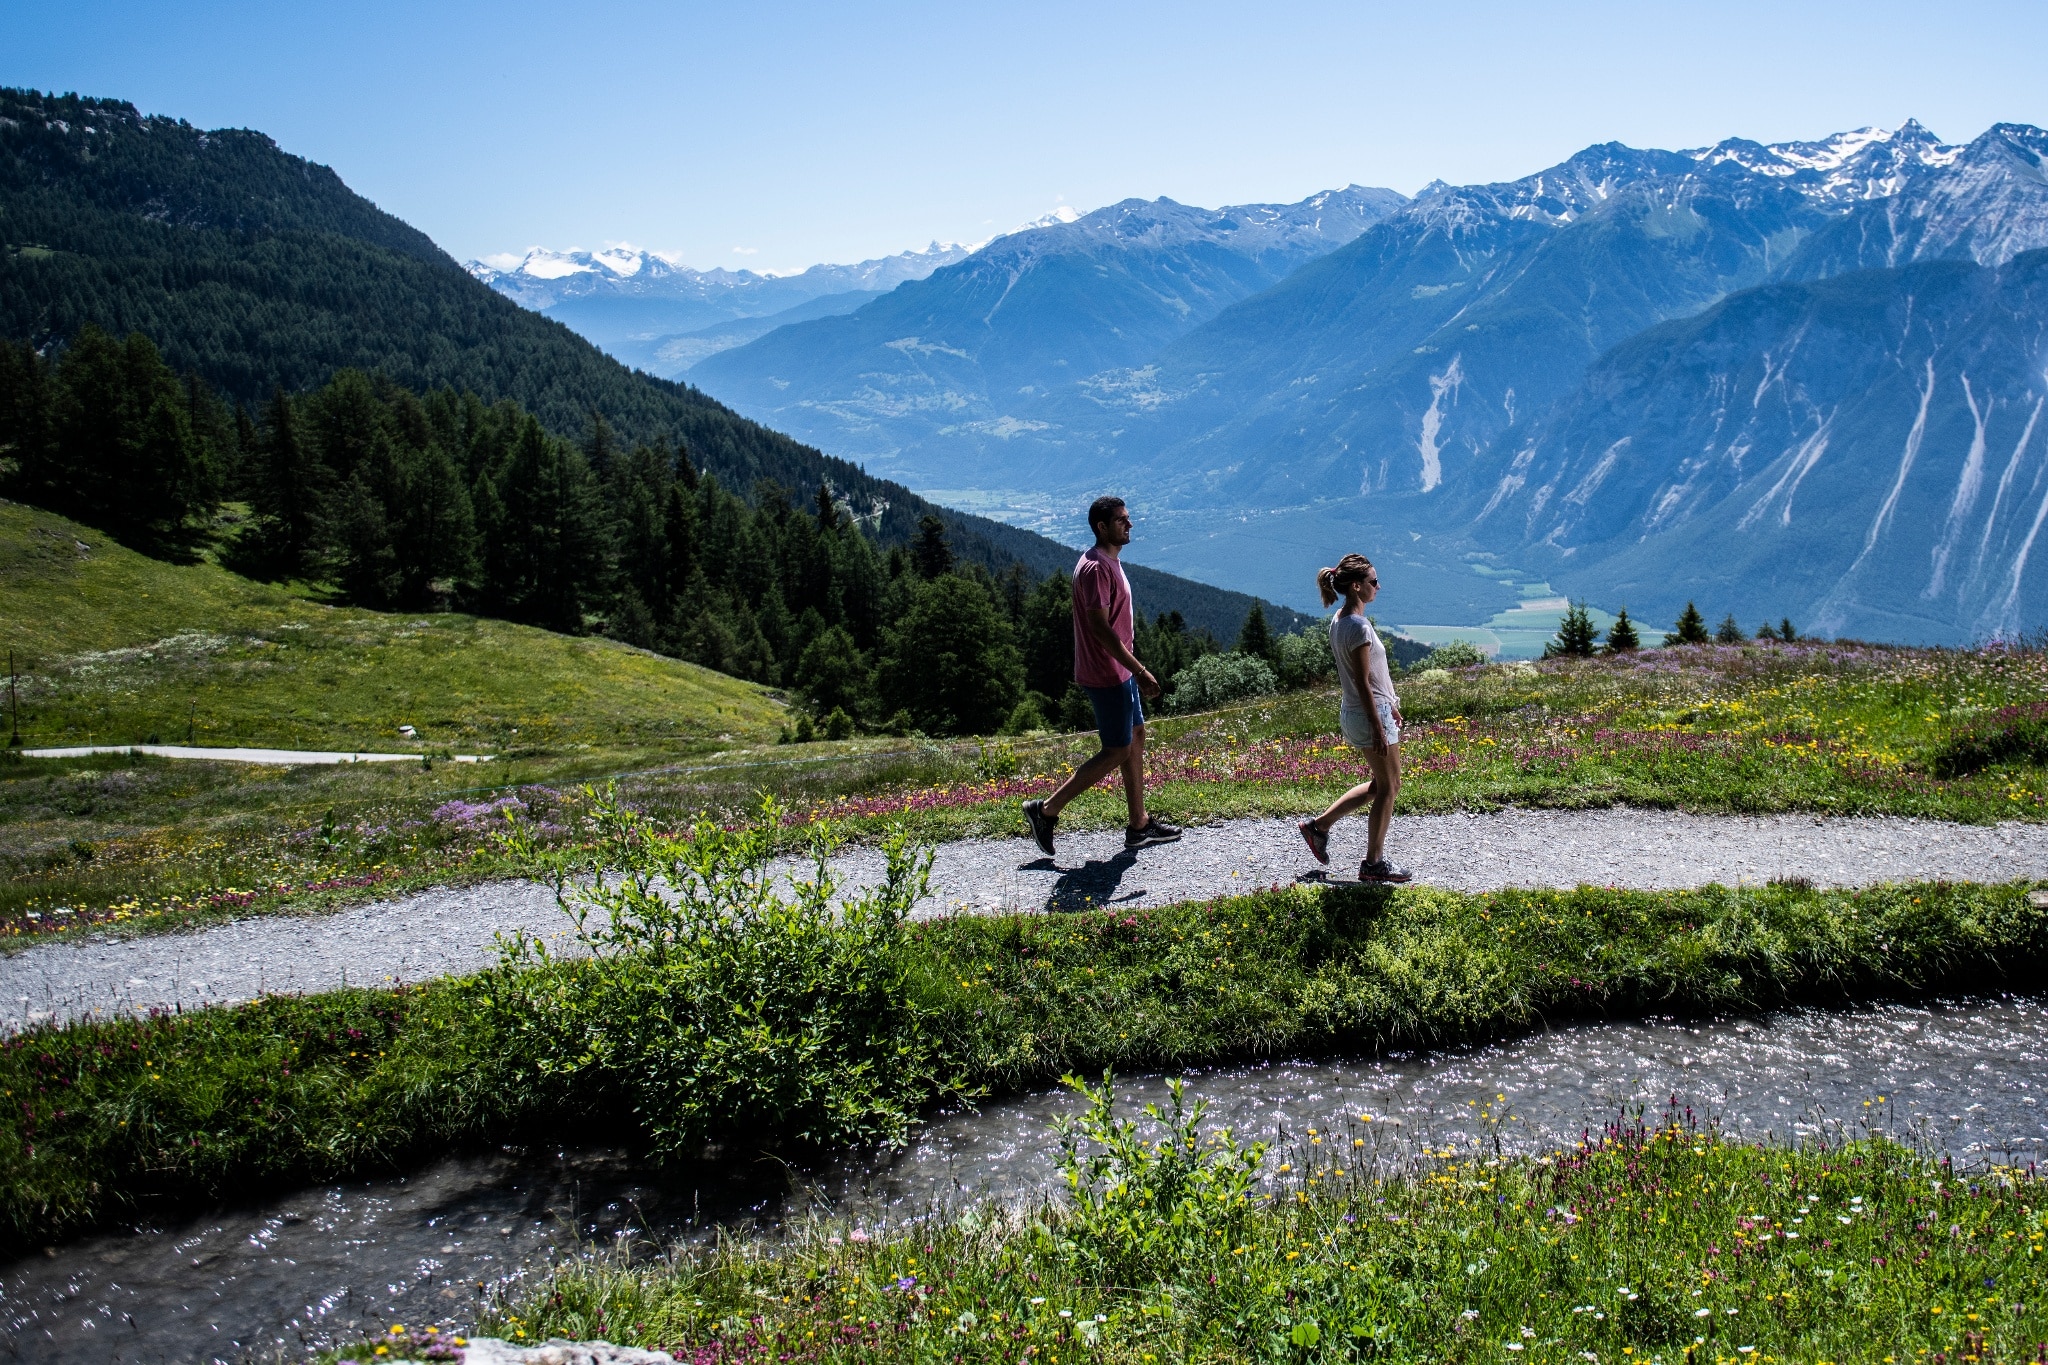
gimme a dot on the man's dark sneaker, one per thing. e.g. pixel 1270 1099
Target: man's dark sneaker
pixel 1318 840
pixel 1041 825
pixel 1380 870
pixel 1156 831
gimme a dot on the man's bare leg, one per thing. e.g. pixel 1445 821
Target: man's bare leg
pixel 1100 765
pixel 1134 778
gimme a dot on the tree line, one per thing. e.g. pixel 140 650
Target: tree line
pixel 396 500
pixel 1578 638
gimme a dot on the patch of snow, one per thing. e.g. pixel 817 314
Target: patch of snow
pixel 1433 420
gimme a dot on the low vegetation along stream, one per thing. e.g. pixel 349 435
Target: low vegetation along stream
pixel 728 1013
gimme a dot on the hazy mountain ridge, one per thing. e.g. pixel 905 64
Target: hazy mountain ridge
pixel 633 302
pixel 970 359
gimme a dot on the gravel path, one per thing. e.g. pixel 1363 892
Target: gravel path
pixel 440 932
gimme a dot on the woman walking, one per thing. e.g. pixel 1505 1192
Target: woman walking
pixel 1370 717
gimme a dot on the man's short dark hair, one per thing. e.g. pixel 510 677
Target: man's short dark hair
pixel 1103 509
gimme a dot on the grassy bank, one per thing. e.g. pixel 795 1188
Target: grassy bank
pixel 1664 1246
pixel 111 1121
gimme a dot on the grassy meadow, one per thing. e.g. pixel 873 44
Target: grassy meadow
pixel 1836 727
pixel 114 647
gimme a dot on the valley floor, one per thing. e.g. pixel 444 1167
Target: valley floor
pixel 450 931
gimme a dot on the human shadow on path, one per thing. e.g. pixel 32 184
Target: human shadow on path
pixel 1090 886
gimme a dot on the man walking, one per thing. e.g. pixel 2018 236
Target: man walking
pixel 1107 668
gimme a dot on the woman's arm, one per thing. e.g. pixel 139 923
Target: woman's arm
pixel 1363 674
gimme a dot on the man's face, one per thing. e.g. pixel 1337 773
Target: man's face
pixel 1116 530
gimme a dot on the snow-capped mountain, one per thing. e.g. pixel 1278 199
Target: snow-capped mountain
pixel 631 301
pixel 1507 369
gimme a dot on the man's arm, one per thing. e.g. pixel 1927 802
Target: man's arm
pixel 1096 619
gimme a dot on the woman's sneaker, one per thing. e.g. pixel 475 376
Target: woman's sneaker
pixel 1156 831
pixel 1318 840
pixel 1380 870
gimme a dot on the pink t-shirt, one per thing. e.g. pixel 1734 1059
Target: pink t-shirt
pixel 1099 582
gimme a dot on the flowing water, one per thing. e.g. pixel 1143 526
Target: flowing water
pixel 1966 1078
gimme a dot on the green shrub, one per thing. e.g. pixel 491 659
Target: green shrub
pixel 1029 714
pixel 1304 657
pixel 1456 654
pixel 838 725
pixel 711 1000
pixel 1214 679
pixel 2012 734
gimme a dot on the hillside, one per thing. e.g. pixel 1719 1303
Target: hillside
pixel 115 647
pixel 256 269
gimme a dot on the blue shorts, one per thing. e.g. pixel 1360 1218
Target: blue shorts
pixel 1118 711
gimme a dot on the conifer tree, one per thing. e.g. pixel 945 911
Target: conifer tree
pixel 1255 637
pixel 288 489
pixel 827 509
pixel 1728 632
pixel 1785 631
pixel 1576 635
pixel 930 555
pixel 1766 631
pixel 1621 636
pixel 1691 628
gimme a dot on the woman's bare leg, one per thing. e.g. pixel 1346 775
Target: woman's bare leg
pixel 1344 805
pixel 1386 785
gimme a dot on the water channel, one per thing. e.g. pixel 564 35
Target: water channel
pixel 274 1279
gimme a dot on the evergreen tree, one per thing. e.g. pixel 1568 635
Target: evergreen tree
pixel 951 662
pixel 287 492
pixel 1728 632
pixel 1046 632
pixel 1785 631
pixel 930 554
pixel 1621 636
pixel 1253 637
pixel 1766 631
pixel 1691 628
pixel 827 509
pixel 1576 635
pixel 834 675
pixel 598 447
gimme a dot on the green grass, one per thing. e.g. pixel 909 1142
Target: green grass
pixel 130 1119
pixel 117 648
pixel 1660 1245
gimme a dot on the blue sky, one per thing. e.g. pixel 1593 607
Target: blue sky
pixel 773 135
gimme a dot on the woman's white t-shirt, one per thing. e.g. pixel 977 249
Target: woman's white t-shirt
pixel 1347 633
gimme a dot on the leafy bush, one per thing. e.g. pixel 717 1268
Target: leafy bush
pixel 1456 654
pixel 710 1000
pixel 2012 734
pixel 1304 657
pixel 1140 1207
pixel 1029 714
pixel 1219 678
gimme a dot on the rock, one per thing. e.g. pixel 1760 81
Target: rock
pixel 492 1351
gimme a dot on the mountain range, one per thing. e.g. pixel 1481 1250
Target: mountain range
pixel 1789 379
pixel 660 316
